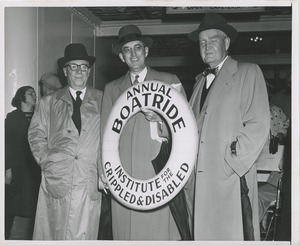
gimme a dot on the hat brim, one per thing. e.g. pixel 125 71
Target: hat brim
pixel 62 61
pixel 227 29
pixel 117 47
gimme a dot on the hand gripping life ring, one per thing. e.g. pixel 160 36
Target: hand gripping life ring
pixel 173 107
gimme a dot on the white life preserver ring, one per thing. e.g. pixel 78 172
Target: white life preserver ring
pixel 173 107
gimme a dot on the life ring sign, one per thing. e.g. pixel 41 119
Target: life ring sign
pixel 173 107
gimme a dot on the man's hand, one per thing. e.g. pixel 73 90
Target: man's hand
pixel 102 183
pixel 8 176
pixel 151 116
pixel 233 147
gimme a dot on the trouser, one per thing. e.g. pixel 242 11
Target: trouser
pixel 22 228
pixel 284 228
pixel 266 194
pixel 9 219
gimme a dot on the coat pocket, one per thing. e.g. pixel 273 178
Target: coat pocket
pixel 57 173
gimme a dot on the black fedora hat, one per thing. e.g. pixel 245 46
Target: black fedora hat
pixel 214 21
pixel 75 51
pixel 127 34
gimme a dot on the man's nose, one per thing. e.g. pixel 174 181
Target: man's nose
pixel 207 46
pixel 78 69
pixel 133 52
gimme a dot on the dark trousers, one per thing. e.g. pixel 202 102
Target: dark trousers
pixel 9 219
pixel 284 226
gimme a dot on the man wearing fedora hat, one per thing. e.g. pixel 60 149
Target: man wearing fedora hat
pixel 64 136
pixel 140 143
pixel 230 103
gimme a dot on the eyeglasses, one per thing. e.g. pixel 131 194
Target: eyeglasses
pixel 137 48
pixel 74 67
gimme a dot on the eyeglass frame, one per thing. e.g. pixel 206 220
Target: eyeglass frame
pixel 80 65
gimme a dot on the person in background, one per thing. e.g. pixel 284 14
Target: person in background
pixel 284 231
pixel 230 103
pixel 283 98
pixel 64 136
pixel 22 174
pixel 49 83
pixel 140 141
pixel 278 131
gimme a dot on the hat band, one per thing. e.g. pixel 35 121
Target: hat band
pixel 129 38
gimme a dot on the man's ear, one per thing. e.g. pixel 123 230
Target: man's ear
pixel 146 51
pixel 121 57
pixel 227 42
pixel 65 71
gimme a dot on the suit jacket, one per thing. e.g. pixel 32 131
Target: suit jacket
pixel 236 108
pixel 137 149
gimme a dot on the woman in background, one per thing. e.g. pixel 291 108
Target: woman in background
pixel 22 174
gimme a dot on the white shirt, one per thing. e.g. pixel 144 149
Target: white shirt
pixel 74 95
pixel 210 77
pixel 142 75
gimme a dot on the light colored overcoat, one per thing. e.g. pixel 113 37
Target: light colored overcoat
pixel 236 108
pixel 137 149
pixel 69 202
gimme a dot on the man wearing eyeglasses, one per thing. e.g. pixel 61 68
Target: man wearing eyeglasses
pixel 64 137
pixel 140 141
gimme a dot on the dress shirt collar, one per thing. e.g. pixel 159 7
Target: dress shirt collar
pixel 142 75
pixel 73 93
pixel 210 78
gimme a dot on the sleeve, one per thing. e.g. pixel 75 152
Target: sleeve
pixel 12 143
pixel 279 121
pixel 178 85
pixel 255 118
pixel 38 131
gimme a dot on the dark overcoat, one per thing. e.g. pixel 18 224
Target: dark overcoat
pixel 21 195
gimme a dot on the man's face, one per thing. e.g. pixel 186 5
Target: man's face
pixel 134 54
pixel 77 73
pixel 213 46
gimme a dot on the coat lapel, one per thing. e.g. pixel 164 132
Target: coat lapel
pixel 149 76
pixel 89 95
pixel 64 95
pixel 124 83
pixel 196 96
pixel 222 82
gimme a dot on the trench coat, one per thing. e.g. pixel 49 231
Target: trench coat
pixel 137 149
pixel 236 108
pixel 21 195
pixel 69 201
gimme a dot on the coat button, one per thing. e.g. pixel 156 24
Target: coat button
pixel 202 141
pixel 76 157
pixel 69 131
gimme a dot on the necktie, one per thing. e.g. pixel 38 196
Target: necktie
pixel 136 81
pixel 208 71
pixel 76 117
